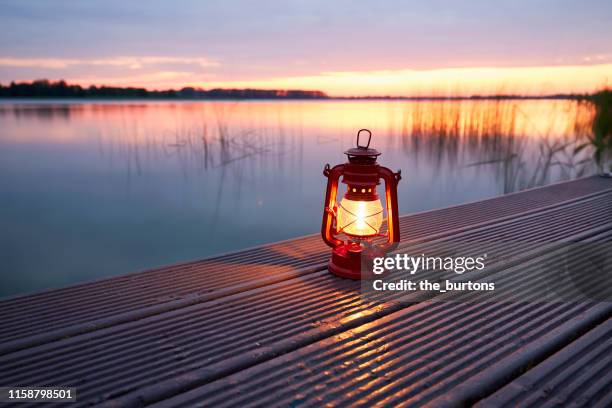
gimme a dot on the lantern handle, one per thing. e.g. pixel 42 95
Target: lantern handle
pixel 369 138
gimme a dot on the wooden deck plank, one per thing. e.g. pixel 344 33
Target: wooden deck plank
pixel 593 215
pixel 578 375
pixel 349 369
pixel 159 355
pixel 82 308
pixel 426 353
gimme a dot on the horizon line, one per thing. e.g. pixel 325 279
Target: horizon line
pixel 174 93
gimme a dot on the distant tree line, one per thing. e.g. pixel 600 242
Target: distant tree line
pixel 60 89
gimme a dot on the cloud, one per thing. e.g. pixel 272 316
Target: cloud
pixel 597 57
pixel 153 80
pixel 50 63
pixel 121 61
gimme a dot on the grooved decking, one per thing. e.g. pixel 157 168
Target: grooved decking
pixel 269 326
pixel 577 374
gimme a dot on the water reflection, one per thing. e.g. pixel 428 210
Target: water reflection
pixel 96 189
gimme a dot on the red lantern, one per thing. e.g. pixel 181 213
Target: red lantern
pixel 359 215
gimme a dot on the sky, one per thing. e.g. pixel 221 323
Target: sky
pixel 341 47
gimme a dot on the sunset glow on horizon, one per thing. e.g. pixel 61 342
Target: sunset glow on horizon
pixel 541 80
pixel 441 82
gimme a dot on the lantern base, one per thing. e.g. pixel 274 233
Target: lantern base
pixel 351 261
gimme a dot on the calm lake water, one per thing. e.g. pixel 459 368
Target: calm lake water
pixel 90 190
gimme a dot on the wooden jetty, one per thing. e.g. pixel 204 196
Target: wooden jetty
pixel 270 326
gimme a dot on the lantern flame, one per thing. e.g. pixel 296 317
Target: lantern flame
pixel 359 218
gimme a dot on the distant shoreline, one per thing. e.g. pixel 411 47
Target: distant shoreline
pixel 60 90
pixel 328 98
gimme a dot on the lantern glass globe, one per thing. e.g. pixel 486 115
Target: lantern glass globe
pixel 359 218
